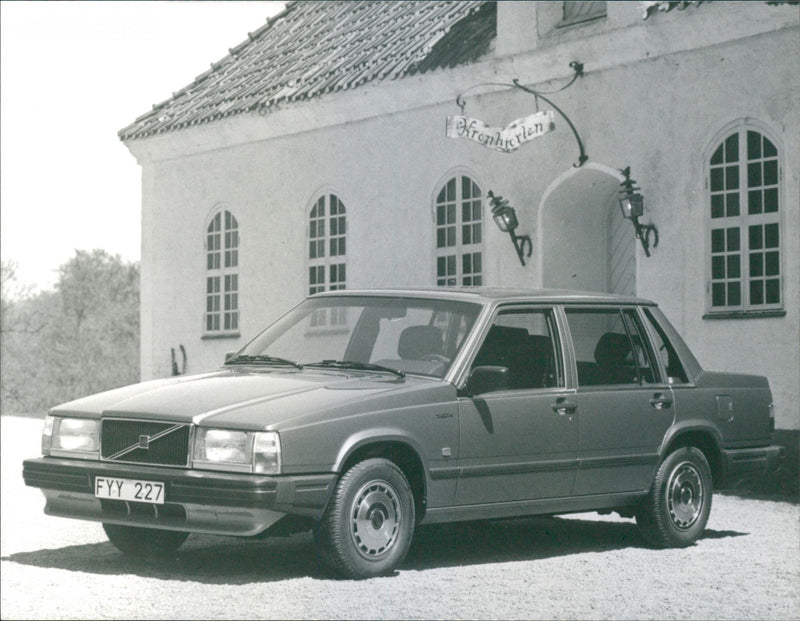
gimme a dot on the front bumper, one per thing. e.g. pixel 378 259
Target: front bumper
pixel 751 462
pixel 195 500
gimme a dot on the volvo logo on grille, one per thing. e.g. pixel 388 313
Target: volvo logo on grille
pixel 144 442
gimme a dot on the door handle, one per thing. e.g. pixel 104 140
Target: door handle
pixel 661 401
pixel 563 407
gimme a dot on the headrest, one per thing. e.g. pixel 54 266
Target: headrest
pixel 612 349
pixel 417 342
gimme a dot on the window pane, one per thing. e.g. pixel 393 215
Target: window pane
pixel 754 202
pixel 732 178
pixel 771 200
pixel 771 172
pixel 733 240
pixel 756 292
pixel 718 294
pixel 717 157
pixel 769 149
pixel 772 264
pixel 718 240
pixel 753 145
pixel 733 204
pixel 717 206
pixel 754 174
pixel 734 268
pixel 716 179
pixel 732 148
pixel 718 268
pixel 756 264
pixel 756 237
pixel 734 294
pixel 773 291
pixel 771 235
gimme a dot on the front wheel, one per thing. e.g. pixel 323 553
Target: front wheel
pixel 144 542
pixel 675 512
pixel 368 526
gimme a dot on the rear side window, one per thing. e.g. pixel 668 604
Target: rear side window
pixel 611 348
pixel 665 351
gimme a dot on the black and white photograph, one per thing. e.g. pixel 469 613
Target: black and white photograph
pixel 400 309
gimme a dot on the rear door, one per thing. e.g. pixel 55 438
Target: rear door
pixel 624 405
pixel 519 442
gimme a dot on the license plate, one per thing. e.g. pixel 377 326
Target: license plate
pixel 134 490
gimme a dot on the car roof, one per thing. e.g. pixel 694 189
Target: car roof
pixel 497 295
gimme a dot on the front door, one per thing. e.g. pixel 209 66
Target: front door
pixel 519 442
pixel 624 407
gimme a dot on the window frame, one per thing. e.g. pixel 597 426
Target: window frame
pixel 460 252
pixel 221 275
pixel 742 222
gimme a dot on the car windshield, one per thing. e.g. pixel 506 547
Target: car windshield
pixel 395 335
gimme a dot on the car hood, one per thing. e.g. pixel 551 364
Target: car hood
pixel 246 398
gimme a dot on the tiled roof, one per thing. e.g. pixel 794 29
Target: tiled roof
pixel 316 47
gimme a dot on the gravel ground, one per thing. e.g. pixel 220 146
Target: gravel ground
pixel 583 566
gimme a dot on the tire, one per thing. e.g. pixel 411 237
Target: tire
pixel 675 512
pixel 368 526
pixel 144 542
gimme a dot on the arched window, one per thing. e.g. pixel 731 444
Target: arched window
pixel 459 233
pixel 744 225
pixel 327 245
pixel 222 274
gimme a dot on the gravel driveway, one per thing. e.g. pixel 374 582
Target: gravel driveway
pixel 583 566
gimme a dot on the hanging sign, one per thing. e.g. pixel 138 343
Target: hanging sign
pixel 505 139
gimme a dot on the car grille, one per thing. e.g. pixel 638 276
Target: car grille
pixel 145 442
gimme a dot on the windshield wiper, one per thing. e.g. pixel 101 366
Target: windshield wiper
pixel 352 364
pixel 263 359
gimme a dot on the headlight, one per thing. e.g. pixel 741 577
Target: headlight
pixel 71 437
pixel 239 451
pixel 221 446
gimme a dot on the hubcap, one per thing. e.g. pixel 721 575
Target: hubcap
pixel 375 519
pixel 685 496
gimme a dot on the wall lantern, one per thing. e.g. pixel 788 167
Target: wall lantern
pixel 506 219
pixel 631 202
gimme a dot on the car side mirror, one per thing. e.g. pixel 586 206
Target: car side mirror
pixel 229 355
pixel 488 379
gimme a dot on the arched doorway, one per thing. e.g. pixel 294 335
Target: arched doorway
pixel 585 243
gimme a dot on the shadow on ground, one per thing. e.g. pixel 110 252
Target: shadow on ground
pixel 221 560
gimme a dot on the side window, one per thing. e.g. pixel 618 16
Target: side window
pixel 610 348
pixel 523 341
pixel 222 274
pixel 664 350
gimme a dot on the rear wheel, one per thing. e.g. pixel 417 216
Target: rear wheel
pixel 675 512
pixel 368 526
pixel 144 542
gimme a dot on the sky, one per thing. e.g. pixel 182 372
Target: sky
pixel 72 74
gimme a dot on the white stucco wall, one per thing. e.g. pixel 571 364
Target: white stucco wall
pixel 654 96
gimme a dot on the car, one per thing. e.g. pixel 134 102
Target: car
pixel 361 415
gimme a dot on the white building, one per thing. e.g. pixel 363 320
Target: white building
pixel 314 156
